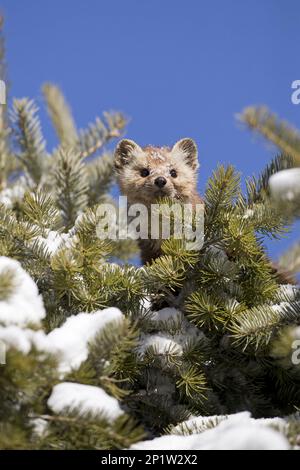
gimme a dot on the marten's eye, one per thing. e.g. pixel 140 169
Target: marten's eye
pixel 145 172
pixel 173 173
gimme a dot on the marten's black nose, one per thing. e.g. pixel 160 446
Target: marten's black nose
pixel 160 181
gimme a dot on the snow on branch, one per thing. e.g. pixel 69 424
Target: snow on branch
pixel 86 399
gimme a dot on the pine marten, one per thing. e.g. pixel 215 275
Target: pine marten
pixel 147 174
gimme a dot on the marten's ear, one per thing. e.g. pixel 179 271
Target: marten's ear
pixel 125 151
pixel 186 149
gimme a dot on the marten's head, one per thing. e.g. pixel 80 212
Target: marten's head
pixel 146 174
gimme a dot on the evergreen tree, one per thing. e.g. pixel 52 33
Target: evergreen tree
pixel 285 186
pixel 102 354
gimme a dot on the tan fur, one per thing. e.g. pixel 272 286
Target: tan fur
pixel 131 159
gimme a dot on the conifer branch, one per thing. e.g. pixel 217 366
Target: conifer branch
pixel 100 177
pixel 28 138
pixel 280 133
pixel 71 185
pixel 39 208
pixel 60 114
pixel 258 188
pixel 7 159
pixel 100 133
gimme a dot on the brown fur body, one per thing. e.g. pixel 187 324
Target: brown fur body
pixel 131 159
pixel 177 166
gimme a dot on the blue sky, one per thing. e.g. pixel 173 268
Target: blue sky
pixel 177 68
